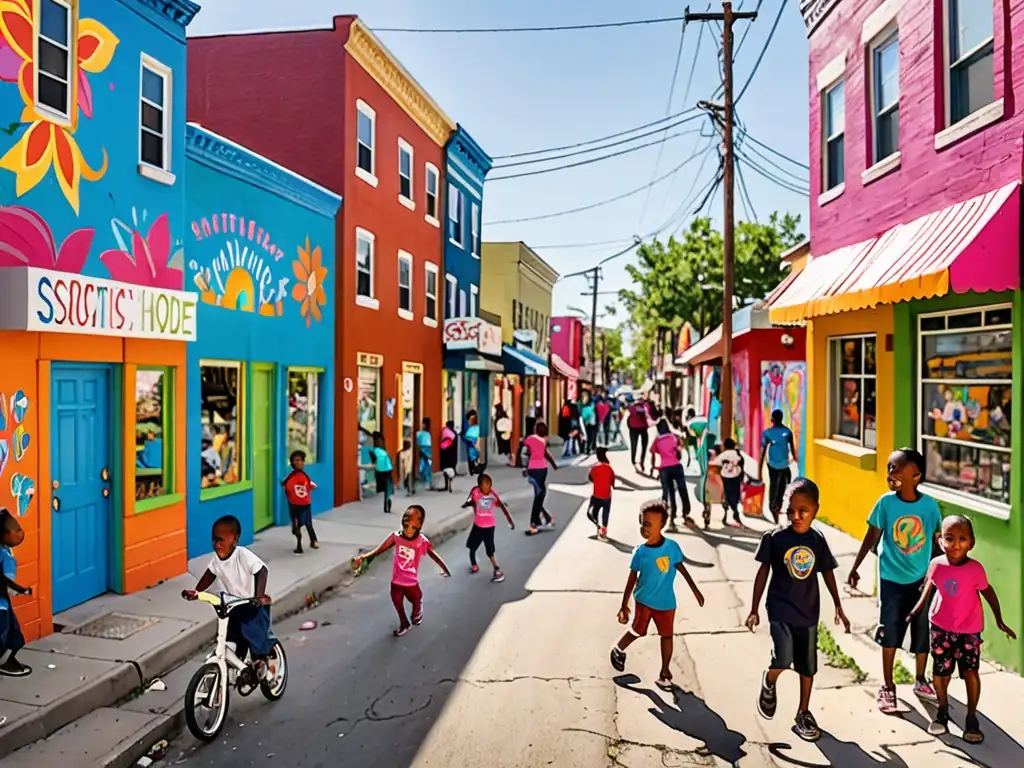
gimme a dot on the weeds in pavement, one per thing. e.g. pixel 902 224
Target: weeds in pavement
pixel 836 658
pixel 901 675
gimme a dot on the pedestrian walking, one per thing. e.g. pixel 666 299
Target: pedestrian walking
pixel 483 499
pixel 449 454
pixel 538 459
pixel 471 437
pixel 383 469
pixel 670 471
pixel 776 445
pixel 602 478
pixel 794 556
pixel 638 422
pixel 730 461
pixel 298 489
pixel 425 447
pixel 410 547
pixel 588 418
pixel 902 526
pixel 11 638
pixel 503 430
pixel 691 436
pixel 603 411
pixel 652 572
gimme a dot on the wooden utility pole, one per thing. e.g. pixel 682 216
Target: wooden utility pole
pixel 727 17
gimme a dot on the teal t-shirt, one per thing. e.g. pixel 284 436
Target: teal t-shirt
pixel 382 462
pixel 589 414
pixel 908 530
pixel 657 569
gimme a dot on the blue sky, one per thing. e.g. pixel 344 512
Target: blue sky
pixel 521 92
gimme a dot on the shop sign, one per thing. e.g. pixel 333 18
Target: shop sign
pixel 472 333
pixel 60 302
pixel 369 360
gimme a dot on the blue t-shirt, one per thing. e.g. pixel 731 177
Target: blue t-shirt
pixel 908 530
pixel 657 569
pixel 472 433
pixel 776 440
pixel 589 414
pixel 10 569
pixel 382 462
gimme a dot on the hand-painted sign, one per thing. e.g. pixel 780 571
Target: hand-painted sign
pixel 472 333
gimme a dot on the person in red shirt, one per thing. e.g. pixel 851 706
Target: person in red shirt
pixel 298 487
pixel 603 478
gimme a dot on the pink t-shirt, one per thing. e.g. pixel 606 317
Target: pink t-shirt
pixel 537 446
pixel 483 507
pixel 666 446
pixel 603 409
pixel 406 571
pixel 956 606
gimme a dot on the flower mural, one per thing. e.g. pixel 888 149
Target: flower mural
pixel 309 288
pixel 46 143
pixel 150 259
pixel 27 241
pixel 14 441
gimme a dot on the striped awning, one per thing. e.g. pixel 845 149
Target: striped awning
pixel 523 363
pixel 563 369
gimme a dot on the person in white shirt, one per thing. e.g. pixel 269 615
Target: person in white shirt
pixel 731 462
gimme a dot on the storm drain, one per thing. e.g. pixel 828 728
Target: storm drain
pixel 115 626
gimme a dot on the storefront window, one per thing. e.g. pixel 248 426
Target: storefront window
pixel 965 395
pixel 852 396
pixel 222 447
pixel 304 413
pixel 153 395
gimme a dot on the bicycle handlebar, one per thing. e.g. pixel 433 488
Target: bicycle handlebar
pixel 219 601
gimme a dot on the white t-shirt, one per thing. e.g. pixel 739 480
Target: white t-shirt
pixel 237 574
pixel 731 463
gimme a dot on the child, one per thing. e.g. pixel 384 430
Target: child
pixel 904 524
pixel 11 639
pixel 424 444
pixel 536 446
pixel 241 574
pixel 670 471
pixel 471 437
pixel 405 467
pixel 957 620
pixel 794 556
pixel 483 499
pixel 776 445
pixel 603 478
pixel 731 462
pixel 652 573
pixel 298 488
pixel 410 546
pixel 384 470
pixel 449 454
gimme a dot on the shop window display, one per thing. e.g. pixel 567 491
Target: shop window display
pixel 222 449
pixel 152 437
pixel 303 413
pixel 852 403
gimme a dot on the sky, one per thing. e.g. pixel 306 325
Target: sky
pixel 520 92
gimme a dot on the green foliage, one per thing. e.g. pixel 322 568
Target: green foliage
pixel 835 655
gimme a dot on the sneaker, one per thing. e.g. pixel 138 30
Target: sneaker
pixel 401 631
pixel 417 618
pixel 603 533
pixel 298 551
pixel 767 701
pixel 886 700
pixel 806 727
pixel 315 545
pixel 498 577
pixel 923 690
pixel 940 724
pixel 474 569
pixel 972 731
pixel 618 658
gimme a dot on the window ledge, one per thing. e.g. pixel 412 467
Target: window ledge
pixel 159 175
pixel 366 176
pixel 430 322
pixel 983 118
pixel 865 458
pixel 217 492
pixel 827 197
pixel 432 221
pixel 368 301
pixel 882 168
pixel 455 242
pixel 148 505
pixel 475 255
pixel 972 503
pixel 407 202
pixel 405 314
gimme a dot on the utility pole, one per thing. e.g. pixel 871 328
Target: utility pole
pixel 594 275
pixel 727 17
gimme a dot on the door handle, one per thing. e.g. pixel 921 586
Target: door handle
pixel 56 504
pixel 105 475
pixel 106 492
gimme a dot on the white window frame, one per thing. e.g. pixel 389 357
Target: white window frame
pixel 65 118
pixel 451 299
pixel 474 230
pixel 831 192
pixel 474 300
pixel 988 507
pixel 889 36
pixel 455 216
pixel 405 146
pixel 835 379
pixel 161 174
pixel 370 177
pixel 403 312
pixel 429 269
pixel 981 117
pixel 432 219
pixel 371 301
pixel 462 304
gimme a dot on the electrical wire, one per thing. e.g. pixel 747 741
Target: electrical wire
pixel 552 28
pixel 775 179
pixel 764 50
pixel 748 202
pixel 569 246
pixel 763 157
pixel 748 137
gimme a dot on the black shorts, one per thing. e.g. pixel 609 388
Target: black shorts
pixel 952 650
pixel 898 600
pixel 794 647
pixel 383 482
pixel 478 536
pixel 300 515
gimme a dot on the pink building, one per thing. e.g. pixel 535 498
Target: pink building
pixel 566 357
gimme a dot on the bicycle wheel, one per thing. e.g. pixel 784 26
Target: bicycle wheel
pixel 277 673
pixel 206 702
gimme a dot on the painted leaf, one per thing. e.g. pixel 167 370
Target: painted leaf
pixel 19 406
pixel 84 94
pixel 5 454
pixel 16 27
pixel 30 158
pixel 120 266
pixel 75 250
pixel 21 441
pixel 25 240
pixel 300 269
pixel 299 291
pixel 10 63
pixel 159 242
pixel 68 165
pixel 96 45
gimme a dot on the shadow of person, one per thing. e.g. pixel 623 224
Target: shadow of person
pixel 998 749
pixel 840 754
pixel 731 537
pixel 625 484
pixel 693 717
pixel 618 545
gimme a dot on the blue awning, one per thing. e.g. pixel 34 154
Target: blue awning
pixel 470 360
pixel 524 363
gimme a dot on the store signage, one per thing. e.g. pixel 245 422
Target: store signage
pixel 60 302
pixel 369 360
pixel 472 333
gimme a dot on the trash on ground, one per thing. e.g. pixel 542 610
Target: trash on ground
pixel 144 762
pixel 51 666
pixel 159 750
pixel 307 625
pixel 157 685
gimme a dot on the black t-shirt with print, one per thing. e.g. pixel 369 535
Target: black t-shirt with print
pixel 796 560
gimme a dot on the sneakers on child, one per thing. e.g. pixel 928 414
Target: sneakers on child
pixel 923 690
pixel 474 569
pixel 618 658
pixel 603 533
pixel 972 730
pixel 886 700
pixel 806 727
pixel 417 618
pixel 940 724
pixel 767 701
pixel 401 631
pixel 498 577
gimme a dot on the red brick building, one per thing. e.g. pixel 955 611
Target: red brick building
pixel 335 105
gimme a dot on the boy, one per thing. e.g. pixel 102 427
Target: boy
pixel 776 445
pixel 731 462
pixel 651 575
pixel 602 476
pixel 794 556
pixel 903 525
pixel 298 488
pixel 11 639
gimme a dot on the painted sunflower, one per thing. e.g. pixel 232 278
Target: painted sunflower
pixel 309 288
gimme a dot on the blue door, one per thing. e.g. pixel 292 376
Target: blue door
pixel 80 471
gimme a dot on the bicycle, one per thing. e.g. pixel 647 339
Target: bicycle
pixel 210 687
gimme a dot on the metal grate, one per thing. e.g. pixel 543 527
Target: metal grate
pixel 115 626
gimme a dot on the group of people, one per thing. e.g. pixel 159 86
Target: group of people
pixel 589 420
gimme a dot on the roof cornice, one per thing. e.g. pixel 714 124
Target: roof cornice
pixel 815 12
pixel 471 153
pixel 179 11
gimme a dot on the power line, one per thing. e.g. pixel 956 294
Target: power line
pixel 748 202
pixel 775 179
pixel 748 137
pixel 568 246
pixel 553 28
pixel 764 50
pixel 801 179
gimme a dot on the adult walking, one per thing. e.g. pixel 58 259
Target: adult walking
pixel 503 428
pixel 604 416
pixel 639 421
pixel 538 458
pixel 588 415
pixel 668 449
pixel 776 445
pixel 471 437
pixel 449 454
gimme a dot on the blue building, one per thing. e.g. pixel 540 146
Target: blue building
pixel 261 385
pixel 472 344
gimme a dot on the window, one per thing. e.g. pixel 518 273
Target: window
pixel 451 291
pixel 432 177
pixel 405 285
pixel 455 215
pixel 430 283
pixel 964 400
pixel 365 142
pixel 971 52
pixel 474 231
pixel 304 412
pixel 835 130
pixel 54 65
pixel 365 243
pixel 405 158
pixel 474 295
pixel 221 420
pixel 885 65
pixel 852 404
pixel 154 115
pixel 462 304
pixel 153 433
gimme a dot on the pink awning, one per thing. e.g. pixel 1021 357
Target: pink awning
pixel 563 369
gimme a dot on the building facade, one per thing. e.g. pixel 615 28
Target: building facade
pixel 912 296
pixel 566 356
pixel 94 321
pixel 386 165
pixel 261 380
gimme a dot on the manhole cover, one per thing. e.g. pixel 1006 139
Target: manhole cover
pixel 115 626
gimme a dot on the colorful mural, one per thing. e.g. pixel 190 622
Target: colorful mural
pixel 740 398
pixel 784 387
pixel 149 261
pixel 27 241
pixel 14 441
pixel 309 290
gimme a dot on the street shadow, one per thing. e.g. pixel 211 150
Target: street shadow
pixel 998 749
pixel 692 716
pixel 631 486
pixel 840 754
pixel 620 546
pixel 738 538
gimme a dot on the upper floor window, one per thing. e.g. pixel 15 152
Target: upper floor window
pixel 834 122
pixel 455 214
pixel 366 142
pixel 432 186
pixel 405 285
pixel 451 292
pixel 405 157
pixel 474 230
pixel 430 286
pixel 885 84
pixel 155 114
pixel 365 245
pixel 971 57
pixel 54 65
pixel 474 299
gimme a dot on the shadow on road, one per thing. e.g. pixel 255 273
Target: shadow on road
pixel 998 749
pixel 840 754
pixel 615 544
pixel 738 538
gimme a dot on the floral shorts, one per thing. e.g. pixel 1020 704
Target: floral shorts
pixel 953 649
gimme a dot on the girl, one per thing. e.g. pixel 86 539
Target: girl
pixel 691 436
pixel 425 446
pixel 536 446
pixel 731 462
pixel 957 620
pixel 603 478
pixel 449 454
pixel 639 422
pixel 603 412
pixel 666 446
pixel 384 470
pixel 483 499
pixel 410 546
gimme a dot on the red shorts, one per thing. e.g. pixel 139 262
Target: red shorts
pixel 663 621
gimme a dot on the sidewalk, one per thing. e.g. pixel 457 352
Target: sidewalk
pixel 111 647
